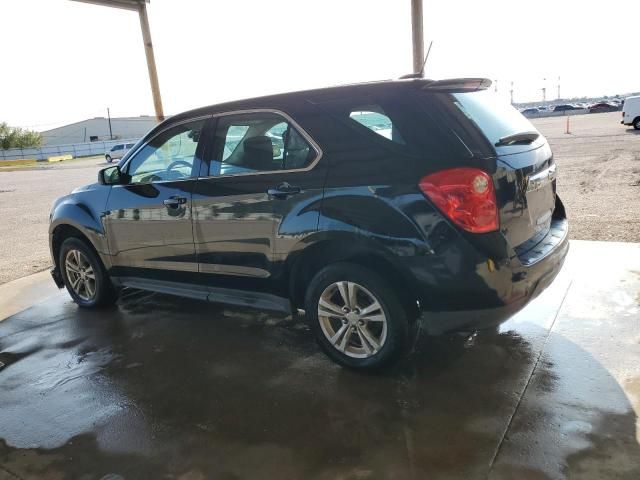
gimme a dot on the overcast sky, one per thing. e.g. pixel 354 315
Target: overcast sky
pixel 64 61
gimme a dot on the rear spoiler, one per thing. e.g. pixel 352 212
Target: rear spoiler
pixel 457 84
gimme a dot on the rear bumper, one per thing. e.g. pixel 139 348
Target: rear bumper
pixel 530 276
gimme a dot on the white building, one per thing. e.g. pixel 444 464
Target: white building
pixel 97 129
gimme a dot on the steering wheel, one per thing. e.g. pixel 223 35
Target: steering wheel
pixel 177 163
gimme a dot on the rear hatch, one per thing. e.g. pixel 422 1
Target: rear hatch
pixel 525 176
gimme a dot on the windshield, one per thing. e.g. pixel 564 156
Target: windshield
pixel 494 116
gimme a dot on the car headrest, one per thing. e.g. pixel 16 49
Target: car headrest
pixel 258 153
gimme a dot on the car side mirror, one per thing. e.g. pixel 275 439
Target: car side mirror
pixel 110 176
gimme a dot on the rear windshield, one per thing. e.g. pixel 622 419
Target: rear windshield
pixel 494 116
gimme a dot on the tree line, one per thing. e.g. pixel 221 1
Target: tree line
pixel 16 137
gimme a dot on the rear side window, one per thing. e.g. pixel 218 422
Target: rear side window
pixel 401 121
pixel 375 119
pixel 493 116
pixel 258 142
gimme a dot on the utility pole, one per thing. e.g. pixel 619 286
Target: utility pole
pixel 544 90
pixel 511 92
pixel 417 32
pixel 558 87
pixel 495 85
pixel 109 119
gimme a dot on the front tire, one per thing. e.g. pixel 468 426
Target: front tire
pixel 356 317
pixel 108 158
pixel 636 123
pixel 84 275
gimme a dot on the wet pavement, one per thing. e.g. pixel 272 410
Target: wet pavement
pixel 165 388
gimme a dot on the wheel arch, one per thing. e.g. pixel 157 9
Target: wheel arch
pixel 349 249
pixel 63 231
pixel 75 219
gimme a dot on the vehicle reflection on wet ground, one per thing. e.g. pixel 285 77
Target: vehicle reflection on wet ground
pixel 162 387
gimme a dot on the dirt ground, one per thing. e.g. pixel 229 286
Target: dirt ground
pixel 599 181
pixel 599 174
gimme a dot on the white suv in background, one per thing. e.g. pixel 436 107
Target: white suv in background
pixel 117 151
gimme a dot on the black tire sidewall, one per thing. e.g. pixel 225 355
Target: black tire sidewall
pixel 109 159
pixel 104 289
pixel 636 124
pixel 398 330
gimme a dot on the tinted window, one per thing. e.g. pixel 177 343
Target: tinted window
pixel 495 117
pixel 407 123
pixel 375 119
pixel 129 145
pixel 116 147
pixel 168 156
pixel 258 142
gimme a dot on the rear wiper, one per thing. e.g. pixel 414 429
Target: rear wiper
pixel 522 138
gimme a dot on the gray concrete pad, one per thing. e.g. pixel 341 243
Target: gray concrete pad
pixel 161 387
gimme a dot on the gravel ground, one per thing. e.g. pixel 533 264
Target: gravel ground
pixel 599 181
pixel 598 175
pixel 26 195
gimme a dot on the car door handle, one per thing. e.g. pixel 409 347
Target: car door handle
pixel 174 201
pixel 283 190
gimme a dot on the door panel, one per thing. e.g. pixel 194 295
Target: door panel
pixel 233 226
pixel 143 232
pixel 149 218
pixel 254 202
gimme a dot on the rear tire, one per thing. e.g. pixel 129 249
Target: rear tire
pixel 636 123
pixel 84 275
pixel 357 318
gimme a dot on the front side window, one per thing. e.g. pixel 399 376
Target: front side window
pixel 168 156
pixel 258 142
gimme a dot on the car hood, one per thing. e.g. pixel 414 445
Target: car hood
pixel 87 188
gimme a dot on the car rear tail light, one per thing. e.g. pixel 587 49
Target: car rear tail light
pixel 466 196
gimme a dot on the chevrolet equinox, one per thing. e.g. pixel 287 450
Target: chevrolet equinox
pixel 371 207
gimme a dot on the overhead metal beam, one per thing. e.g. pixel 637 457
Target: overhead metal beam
pixel 140 6
pixel 417 32
pixel 124 4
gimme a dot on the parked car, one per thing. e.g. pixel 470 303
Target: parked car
pixel 565 107
pixel 603 107
pixel 631 111
pixel 391 203
pixel 530 111
pixel 118 151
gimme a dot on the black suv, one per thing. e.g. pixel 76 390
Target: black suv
pixel 371 207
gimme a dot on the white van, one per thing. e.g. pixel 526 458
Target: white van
pixel 631 112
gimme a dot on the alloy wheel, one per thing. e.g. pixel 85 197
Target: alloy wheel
pixel 352 319
pixel 80 274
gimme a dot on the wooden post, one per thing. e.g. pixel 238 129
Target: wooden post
pixel 417 35
pixel 151 61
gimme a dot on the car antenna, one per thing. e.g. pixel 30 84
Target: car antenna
pixel 420 74
pixel 426 57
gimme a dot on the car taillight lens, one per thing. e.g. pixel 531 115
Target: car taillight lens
pixel 465 195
